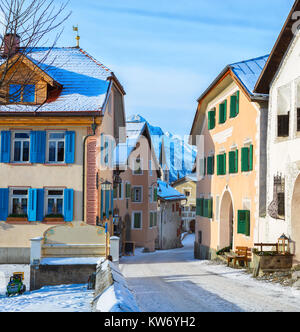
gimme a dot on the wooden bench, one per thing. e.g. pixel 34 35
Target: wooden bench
pixel 242 254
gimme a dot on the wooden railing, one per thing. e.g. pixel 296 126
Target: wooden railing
pixel 262 245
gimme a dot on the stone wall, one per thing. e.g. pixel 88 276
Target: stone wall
pixel 111 291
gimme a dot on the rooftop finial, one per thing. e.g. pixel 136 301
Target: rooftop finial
pixel 75 28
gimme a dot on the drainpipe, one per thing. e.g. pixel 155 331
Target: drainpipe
pixel 94 127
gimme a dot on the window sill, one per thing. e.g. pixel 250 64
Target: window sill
pixel 17 221
pixel 56 164
pixel 20 164
pixel 53 221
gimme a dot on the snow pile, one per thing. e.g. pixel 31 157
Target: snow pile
pixel 116 297
pixel 72 261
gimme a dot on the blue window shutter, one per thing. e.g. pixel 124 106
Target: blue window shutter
pixel 70 147
pixel 40 204
pixel 102 205
pixel 38 147
pixel 32 205
pixel 5 146
pixel 68 204
pixel 3 204
pixel 107 195
pixel 112 200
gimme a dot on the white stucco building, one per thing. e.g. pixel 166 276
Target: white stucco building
pixel 281 80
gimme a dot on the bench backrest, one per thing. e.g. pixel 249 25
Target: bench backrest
pixel 243 251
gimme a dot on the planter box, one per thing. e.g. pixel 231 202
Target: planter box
pixel 16 220
pixel 274 262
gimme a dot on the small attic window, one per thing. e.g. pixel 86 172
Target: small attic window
pixel 19 93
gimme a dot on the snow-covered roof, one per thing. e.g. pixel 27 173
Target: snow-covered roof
pixel 248 71
pixel 84 81
pixel 168 193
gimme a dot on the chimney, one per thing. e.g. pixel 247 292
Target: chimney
pixel 11 45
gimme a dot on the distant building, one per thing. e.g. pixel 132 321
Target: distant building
pixel 188 187
pixel 169 216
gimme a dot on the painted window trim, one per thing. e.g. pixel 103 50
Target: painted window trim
pixel 46 190
pixel 11 197
pixel 142 196
pixel 13 140
pixel 48 133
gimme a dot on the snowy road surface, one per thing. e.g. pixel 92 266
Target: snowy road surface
pixel 172 281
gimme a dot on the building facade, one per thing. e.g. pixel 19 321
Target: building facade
pixel 230 132
pixel 281 80
pixel 55 105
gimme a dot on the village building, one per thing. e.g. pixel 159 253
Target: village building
pixel 169 217
pixel 230 130
pixel 55 107
pixel 188 187
pixel 135 197
pixel 280 79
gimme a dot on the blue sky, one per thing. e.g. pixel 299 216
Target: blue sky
pixel 166 52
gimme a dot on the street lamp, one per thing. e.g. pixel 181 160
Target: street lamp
pixel 106 186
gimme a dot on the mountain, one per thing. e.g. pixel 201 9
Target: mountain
pixel 180 156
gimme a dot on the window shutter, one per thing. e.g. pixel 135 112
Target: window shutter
pixel 223 112
pixel 112 201
pixel 210 165
pixel 236 161
pixel 251 158
pixel 70 147
pixel 68 204
pixel 199 207
pixel 233 106
pixel 128 190
pixel 4 194
pixel 38 147
pixel 155 194
pixel 245 159
pixel 211 120
pixel 107 198
pixel 232 162
pixel 238 102
pixel 102 205
pixel 151 219
pixel 5 146
pixel 210 208
pixel 40 204
pixel 32 205
pixel 244 222
pixel 224 164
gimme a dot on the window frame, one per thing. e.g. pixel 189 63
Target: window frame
pixel 141 220
pixel 12 197
pixel 55 197
pixel 141 190
pixel 56 146
pixel 21 95
pixel 22 140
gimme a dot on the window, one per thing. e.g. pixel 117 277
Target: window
pixel 21 143
pixel 211 119
pixel 137 167
pixel 187 193
pixel 19 202
pixel 233 161
pixel 244 222
pixel 54 202
pixel 128 190
pixel 56 147
pixel 283 125
pixel 200 207
pixel 247 159
pixel 208 206
pixel 234 105
pixel 137 220
pixel 137 194
pixel 221 161
pixel 120 191
pixel 21 93
pixel 153 219
pixel 210 165
pixel 223 112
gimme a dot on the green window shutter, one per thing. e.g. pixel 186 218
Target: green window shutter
pixel 210 165
pixel 244 222
pixel 238 102
pixel 233 106
pixel 223 112
pixel 221 164
pixel 236 161
pixel 211 119
pixel 151 219
pixel 155 195
pixel 205 166
pixel 137 220
pixel 251 158
pixel 205 212
pixel 232 162
pixel 210 208
pixel 115 192
pixel 128 190
pixel 245 159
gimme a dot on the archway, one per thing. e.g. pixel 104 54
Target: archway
pixel 295 218
pixel 226 221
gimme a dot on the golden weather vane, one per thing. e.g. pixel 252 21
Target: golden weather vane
pixel 75 28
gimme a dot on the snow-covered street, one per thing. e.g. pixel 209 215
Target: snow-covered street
pixel 172 281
